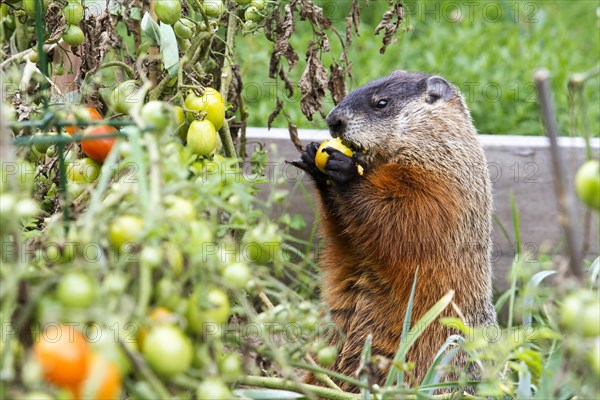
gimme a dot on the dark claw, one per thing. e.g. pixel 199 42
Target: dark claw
pixel 341 169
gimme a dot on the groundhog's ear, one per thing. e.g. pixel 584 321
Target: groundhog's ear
pixel 438 89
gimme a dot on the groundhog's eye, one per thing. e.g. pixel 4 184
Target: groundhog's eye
pixel 381 103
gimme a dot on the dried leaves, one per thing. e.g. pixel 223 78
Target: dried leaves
pixel 313 83
pixel 316 80
pixel 352 22
pixel 99 38
pixel 283 31
pixel 54 21
pixel 391 21
pixel 313 13
pixel 337 83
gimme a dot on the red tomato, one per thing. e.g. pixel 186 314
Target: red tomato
pixel 98 149
pixel 63 354
pixel 93 115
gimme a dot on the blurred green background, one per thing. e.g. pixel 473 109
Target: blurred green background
pixel 490 49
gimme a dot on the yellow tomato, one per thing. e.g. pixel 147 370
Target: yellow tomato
pixel 322 156
pixel 211 102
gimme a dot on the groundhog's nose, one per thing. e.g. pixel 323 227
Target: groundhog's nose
pixel 337 125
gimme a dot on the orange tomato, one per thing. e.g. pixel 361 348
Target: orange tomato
pixel 102 380
pixel 93 115
pixel 98 149
pixel 63 354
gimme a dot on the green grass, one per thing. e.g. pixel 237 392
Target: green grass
pixel 490 57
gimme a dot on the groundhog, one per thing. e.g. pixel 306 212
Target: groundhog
pixel 424 200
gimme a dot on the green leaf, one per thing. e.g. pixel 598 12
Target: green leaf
pixel 151 29
pixel 524 384
pixel 405 328
pixel 365 357
pixel 442 358
pixel 267 394
pixel 530 298
pixel 169 49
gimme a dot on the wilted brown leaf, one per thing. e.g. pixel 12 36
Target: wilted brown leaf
pixel 391 21
pixel 54 21
pixel 352 21
pixel 337 84
pixel 313 13
pixel 275 113
pixel 99 38
pixel 289 85
pixel 283 31
pixel 312 83
pixel 294 137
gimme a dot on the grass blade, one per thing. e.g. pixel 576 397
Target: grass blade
pixel 442 358
pixel 364 359
pixel 420 326
pixel 529 299
pixel 399 375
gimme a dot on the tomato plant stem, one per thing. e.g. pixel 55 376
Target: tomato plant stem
pixel 286 384
pixel 226 75
pixel 128 70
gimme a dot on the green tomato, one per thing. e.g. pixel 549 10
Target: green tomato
pixel 29 7
pixel 230 367
pixel 236 275
pixel 168 11
pixel 151 256
pixel 75 290
pixel 213 388
pixel 158 114
pixel 184 28
pixel 259 4
pixel 43 147
pixel 167 350
pixel 126 96
pixel 73 36
pixel 211 102
pixel 73 12
pixel 580 313
pixel 242 2
pixel 179 209
pixel 252 14
pixel 587 184
pixel 590 321
pixel 34 56
pixel 126 229
pixel 59 69
pixel 570 311
pixel 202 138
pixel 262 244
pixel 214 8
pixel 84 170
pixel 218 307
pixel 174 258
pixel 327 355
pixel 249 27
pixel 594 357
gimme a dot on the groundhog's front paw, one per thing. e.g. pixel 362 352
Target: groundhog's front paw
pixel 307 162
pixel 340 168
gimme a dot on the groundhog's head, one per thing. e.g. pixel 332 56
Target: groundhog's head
pixel 404 116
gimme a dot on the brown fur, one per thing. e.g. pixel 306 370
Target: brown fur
pixel 425 200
